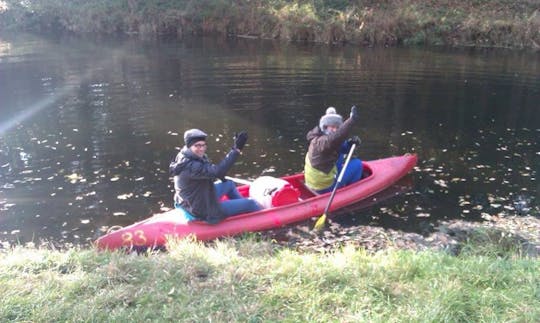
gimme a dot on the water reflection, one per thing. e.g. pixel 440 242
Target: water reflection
pixel 111 113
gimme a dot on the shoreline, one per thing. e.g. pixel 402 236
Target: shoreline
pixel 469 23
pixel 519 232
pixel 511 233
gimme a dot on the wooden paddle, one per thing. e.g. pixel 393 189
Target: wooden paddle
pixel 321 221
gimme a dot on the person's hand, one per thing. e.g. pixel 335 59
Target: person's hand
pixel 240 140
pixel 354 140
pixel 354 113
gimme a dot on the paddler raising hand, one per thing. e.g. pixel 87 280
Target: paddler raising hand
pixel 328 145
pixel 194 177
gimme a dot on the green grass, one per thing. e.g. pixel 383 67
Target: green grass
pixel 254 281
pixel 494 23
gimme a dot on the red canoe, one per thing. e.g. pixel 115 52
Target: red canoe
pixel 154 231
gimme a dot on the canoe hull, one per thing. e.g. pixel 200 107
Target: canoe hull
pixel 154 231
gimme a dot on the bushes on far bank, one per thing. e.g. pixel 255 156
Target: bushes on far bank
pixel 494 23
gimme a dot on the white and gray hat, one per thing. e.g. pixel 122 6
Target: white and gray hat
pixel 330 118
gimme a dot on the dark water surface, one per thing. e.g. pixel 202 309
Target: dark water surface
pixel 87 128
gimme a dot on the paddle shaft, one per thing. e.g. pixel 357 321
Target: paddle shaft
pixel 340 177
pixel 238 180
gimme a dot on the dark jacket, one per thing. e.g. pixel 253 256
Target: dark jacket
pixel 194 183
pixel 324 150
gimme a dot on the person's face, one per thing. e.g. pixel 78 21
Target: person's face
pixel 199 148
pixel 332 128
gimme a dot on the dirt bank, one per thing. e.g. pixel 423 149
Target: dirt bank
pixel 516 232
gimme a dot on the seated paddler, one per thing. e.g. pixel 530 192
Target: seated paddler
pixel 195 185
pixel 329 144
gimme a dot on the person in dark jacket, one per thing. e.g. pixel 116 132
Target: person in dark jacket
pixel 328 147
pixel 194 177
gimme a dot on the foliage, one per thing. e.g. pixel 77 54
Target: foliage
pixel 366 22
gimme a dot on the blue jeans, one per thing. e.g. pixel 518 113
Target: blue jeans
pixel 236 204
pixel 353 173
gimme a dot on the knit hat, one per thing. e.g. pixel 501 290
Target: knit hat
pixel 191 136
pixel 330 118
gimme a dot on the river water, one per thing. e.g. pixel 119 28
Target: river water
pixel 88 127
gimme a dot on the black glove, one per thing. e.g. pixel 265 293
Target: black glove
pixel 354 113
pixel 240 140
pixel 354 140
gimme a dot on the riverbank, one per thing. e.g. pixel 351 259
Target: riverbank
pixel 511 233
pixel 478 23
pixel 257 280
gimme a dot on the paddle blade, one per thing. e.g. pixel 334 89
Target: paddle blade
pixel 319 225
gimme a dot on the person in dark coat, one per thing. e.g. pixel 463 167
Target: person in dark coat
pixel 328 147
pixel 195 176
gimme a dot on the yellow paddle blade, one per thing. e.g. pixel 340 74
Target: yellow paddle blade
pixel 319 225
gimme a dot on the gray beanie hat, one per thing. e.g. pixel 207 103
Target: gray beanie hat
pixel 330 118
pixel 191 136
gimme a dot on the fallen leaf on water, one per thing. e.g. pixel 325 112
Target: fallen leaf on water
pixel 441 183
pixel 73 178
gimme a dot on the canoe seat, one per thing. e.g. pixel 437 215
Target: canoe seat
pixel 312 191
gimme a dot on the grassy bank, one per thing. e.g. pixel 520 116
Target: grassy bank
pixel 247 280
pixel 486 23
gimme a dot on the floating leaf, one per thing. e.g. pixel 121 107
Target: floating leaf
pixel 124 196
pixel 441 183
pixel 73 178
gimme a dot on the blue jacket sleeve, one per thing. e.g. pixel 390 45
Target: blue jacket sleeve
pixel 345 147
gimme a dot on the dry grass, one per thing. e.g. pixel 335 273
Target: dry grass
pixel 249 280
